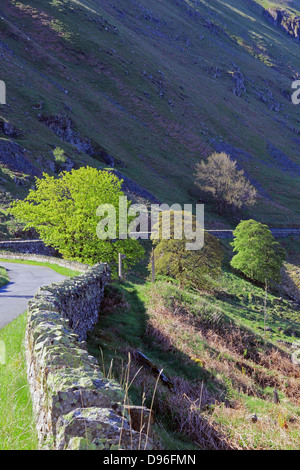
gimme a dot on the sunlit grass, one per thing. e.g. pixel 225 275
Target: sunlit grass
pixel 17 424
pixel 3 277
pixel 17 428
pixel 59 269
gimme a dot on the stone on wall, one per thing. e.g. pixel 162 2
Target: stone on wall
pixel 28 246
pixel 102 428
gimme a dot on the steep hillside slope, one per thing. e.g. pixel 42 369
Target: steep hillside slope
pixel 152 87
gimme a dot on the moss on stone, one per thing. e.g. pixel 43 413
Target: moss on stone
pixel 74 403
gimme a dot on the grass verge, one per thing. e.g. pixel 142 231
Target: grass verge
pixel 4 279
pixel 17 428
pixel 59 269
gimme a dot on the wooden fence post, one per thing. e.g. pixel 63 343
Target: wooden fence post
pixel 153 265
pixel 121 257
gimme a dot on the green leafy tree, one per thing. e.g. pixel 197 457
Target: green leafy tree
pixel 191 268
pixel 259 256
pixel 64 212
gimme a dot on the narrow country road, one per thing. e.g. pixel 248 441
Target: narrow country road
pixel 25 280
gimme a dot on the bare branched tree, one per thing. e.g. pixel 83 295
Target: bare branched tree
pixel 228 185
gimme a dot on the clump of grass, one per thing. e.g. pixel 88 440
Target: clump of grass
pixel 127 375
pixel 59 155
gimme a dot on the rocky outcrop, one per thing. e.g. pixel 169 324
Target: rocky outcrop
pixel 132 188
pixel 284 20
pixel 16 158
pixel 266 96
pixel 63 127
pixel 8 129
pixel 111 161
pixel 239 83
pixel 76 407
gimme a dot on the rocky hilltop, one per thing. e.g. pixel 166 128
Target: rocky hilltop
pixel 284 19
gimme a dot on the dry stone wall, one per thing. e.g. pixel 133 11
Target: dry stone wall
pixel 76 407
pixel 73 265
pixel 28 246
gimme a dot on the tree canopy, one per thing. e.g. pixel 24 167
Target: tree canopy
pixel 220 177
pixel 63 210
pixel 191 268
pixel 259 256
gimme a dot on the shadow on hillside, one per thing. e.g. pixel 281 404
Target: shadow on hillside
pixel 291 283
pixel 123 328
pixel 291 270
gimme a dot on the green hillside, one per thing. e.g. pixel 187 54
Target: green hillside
pixel 157 86
pixel 213 350
pixel 149 88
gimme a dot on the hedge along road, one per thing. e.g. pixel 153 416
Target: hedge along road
pixel 24 282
